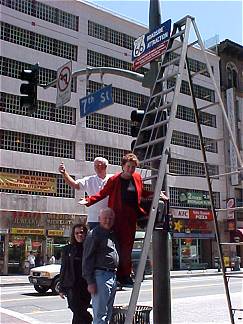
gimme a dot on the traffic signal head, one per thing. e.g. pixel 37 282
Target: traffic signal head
pixel 29 89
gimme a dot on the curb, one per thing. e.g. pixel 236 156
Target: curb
pixel 14 284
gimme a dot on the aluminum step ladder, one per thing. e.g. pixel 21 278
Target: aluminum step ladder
pixel 153 142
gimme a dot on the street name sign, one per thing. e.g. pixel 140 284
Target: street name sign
pixel 96 101
pixel 151 45
pixel 64 78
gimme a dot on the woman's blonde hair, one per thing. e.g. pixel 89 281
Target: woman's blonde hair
pixel 130 157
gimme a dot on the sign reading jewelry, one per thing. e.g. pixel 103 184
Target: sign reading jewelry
pixel 27 182
pixel 151 45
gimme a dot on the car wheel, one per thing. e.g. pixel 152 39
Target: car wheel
pixel 55 286
pixel 41 289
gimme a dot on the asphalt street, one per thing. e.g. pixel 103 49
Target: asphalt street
pixel 194 300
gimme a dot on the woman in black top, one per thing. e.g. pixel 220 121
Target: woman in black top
pixel 72 284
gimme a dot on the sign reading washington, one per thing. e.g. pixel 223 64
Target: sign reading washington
pixel 151 45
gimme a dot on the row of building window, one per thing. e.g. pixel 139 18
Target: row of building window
pixel 192 141
pixel 99 59
pixel 63 190
pixel 176 201
pixel 109 123
pixel 191 168
pixel 110 35
pixel 12 69
pixel 120 96
pixel 45 12
pixel 46 110
pixel 38 42
pixel 36 144
pixel 187 113
pixel 200 92
pixel 113 155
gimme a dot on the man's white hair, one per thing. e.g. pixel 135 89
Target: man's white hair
pixel 107 210
pixel 101 159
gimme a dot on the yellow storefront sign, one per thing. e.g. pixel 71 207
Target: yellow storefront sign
pixel 55 232
pixel 27 182
pixel 226 261
pixel 26 231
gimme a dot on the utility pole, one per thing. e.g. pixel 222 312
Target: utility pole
pixel 161 270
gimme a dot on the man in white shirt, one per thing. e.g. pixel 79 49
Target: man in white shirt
pixel 91 184
pixel 31 259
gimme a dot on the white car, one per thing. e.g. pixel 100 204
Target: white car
pixel 45 277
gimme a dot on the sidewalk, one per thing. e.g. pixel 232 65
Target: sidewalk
pixel 22 280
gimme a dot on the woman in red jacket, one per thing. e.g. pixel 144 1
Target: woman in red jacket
pixel 125 191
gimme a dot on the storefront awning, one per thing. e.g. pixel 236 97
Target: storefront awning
pixel 194 235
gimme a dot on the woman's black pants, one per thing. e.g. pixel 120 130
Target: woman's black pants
pixel 78 301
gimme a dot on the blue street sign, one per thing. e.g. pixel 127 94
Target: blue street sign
pixel 96 101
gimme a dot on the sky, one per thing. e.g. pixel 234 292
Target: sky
pixel 222 18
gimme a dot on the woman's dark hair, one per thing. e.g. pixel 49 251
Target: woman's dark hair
pixel 72 238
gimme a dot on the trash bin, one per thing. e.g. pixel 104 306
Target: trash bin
pixel 236 266
pixel 141 315
pixel 217 263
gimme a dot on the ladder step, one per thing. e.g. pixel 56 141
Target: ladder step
pixel 159 108
pixel 154 176
pixel 156 125
pixel 178 34
pixel 225 174
pixel 234 276
pixel 163 92
pixel 156 141
pixel 231 243
pixel 151 159
pixel 228 209
pixel 208 106
pixel 173 49
pixel 171 62
pixel 237 309
pixel 199 72
pixel 165 78
pixel 192 43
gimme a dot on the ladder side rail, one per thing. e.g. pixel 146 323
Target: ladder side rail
pixel 160 180
pixel 216 226
pixel 143 257
pixel 159 75
pixel 200 42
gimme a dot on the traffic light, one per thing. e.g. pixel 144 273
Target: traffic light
pixel 136 118
pixel 29 89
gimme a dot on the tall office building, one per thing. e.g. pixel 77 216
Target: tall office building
pixel 37 207
pixel 231 71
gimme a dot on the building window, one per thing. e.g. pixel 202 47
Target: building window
pixel 43 11
pixel 45 110
pixel 38 42
pixel 99 59
pixel 29 143
pixel 12 69
pixel 191 168
pixel 202 201
pixel 120 96
pixel 109 123
pixel 113 155
pixel 110 35
pixel 187 113
pixel 232 75
pixel 192 141
pixel 63 190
